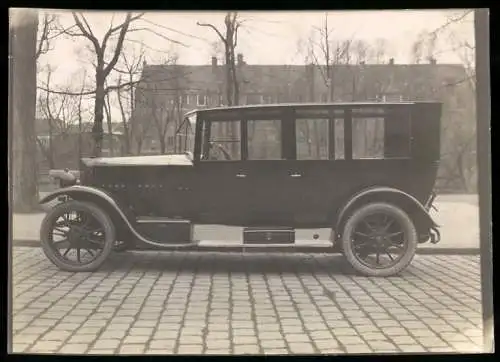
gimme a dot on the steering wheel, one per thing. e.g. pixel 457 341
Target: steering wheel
pixel 227 156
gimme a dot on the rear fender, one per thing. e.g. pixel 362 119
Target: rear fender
pixel 415 210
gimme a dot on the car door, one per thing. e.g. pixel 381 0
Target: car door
pixel 266 172
pixel 314 176
pixel 221 179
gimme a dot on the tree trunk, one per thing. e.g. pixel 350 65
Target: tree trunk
pixel 229 84
pixel 23 93
pixel 139 146
pixel 51 147
pixel 126 132
pixel 109 122
pixel 97 130
pixel 162 144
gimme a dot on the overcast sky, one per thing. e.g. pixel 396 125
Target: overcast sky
pixel 266 37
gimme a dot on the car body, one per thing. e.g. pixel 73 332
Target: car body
pixel 271 169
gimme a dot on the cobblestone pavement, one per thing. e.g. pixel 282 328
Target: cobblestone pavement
pixel 191 303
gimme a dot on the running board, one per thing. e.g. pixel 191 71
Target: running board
pixel 297 244
pixel 317 246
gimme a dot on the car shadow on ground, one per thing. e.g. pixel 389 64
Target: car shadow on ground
pixel 237 263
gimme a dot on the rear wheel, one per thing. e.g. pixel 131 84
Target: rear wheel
pixel 77 236
pixel 379 239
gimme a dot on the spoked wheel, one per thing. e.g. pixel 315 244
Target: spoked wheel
pixel 77 236
pixel 379 239
pixel 120 246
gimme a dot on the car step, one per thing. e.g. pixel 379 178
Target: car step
pixel 298 244
pixel 159 220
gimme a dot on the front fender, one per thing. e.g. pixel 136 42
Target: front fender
pixel 77 192
pixel 381 193
pixel 99 197
pixel 121 218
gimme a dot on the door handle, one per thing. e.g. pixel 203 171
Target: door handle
pixel 295 175
pixel 241 175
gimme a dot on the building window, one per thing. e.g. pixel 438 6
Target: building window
pixel 202 100
pixel 184 100
pixel 193 99
pixel 268 99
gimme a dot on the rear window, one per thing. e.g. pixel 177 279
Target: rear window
pixel 380 133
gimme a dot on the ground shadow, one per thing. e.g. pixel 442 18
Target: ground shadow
pixel 213 262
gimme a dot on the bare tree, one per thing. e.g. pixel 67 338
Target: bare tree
pixel 126 96
pixel 62 112
pixel 326 53
pixel 46 106
pixel 458 169
pixel 23 45
pixel 423 47
pixel 103 67
pixel 46 33
pixel 166 105
pixel 162 116
pixel 230 41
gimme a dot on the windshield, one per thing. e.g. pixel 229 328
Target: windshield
pixel 185 134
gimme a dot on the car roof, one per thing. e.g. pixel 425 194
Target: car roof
pixel 300 105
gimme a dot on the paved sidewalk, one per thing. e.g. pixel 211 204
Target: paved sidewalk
pixel 191 303
pixel 457 214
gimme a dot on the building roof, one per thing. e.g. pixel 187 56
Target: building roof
pixel 262 79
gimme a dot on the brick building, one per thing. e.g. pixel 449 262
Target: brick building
pixel 167 91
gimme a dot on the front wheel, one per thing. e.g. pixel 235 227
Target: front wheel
pixel 77 236
pixel 379 240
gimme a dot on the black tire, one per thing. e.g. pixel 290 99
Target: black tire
pixel 97 214
pixel 409 232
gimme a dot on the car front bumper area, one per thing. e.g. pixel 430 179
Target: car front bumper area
pixel 65 178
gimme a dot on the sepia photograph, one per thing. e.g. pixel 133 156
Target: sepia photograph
pixel 249 182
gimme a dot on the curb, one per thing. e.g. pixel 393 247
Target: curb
pixel 420 251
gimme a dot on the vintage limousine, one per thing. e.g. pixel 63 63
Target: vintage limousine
pixel 364 170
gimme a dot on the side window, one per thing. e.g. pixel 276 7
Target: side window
pixel 224 142
pixel 380 133
pixel 339 139
pixel 367 137
pixel 397 135
pixel 184 141
pixel 264 139
pixel 312 139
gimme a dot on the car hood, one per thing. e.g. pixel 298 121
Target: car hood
pixel 156 160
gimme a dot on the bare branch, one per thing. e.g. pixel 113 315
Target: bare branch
pixel 87 34
pixel 119 46
pixel 123 27
pixel 222 38
pixel 449 22
pixel 43 38
pixel 175 31
pixel 166 37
